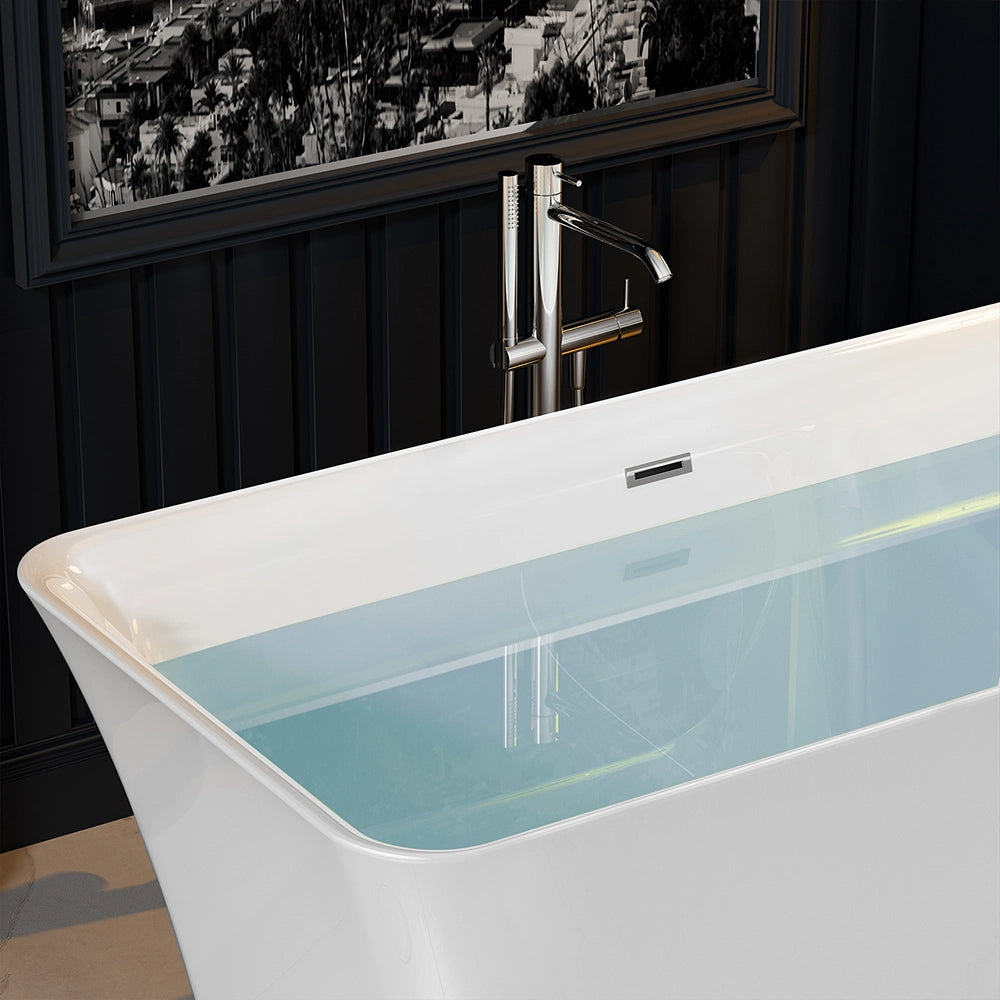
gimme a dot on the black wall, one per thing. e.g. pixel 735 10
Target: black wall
pixel 168 382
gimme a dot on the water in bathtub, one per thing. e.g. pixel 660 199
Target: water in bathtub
pixel 493 705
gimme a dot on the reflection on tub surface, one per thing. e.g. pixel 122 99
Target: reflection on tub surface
pixel 664 655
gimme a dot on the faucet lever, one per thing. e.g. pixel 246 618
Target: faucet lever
pixel 625 306
pixel 575 181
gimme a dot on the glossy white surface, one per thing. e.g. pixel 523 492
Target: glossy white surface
pixel 866 865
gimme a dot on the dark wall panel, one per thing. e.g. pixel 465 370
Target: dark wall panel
pixel 7 735
pixel 222 278
pixel 147 388
pixel 955 251
pixel 340 339
pixel 884 157
pixel 264 362
pixel 303 347
pixel 451 277
pixel 694 344
pixel 413 303
pixel 762 251
pixel 35 688
pixel 102 349
pixel 827 162
pixel 185 358
pixel 377 310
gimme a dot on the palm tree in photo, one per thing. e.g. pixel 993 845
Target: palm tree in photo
pixel 234 123
pixel 140 177
pixel 213 19
pixel 166 142
pixel 211 98
pixel 193 50
pixel 136 112
pixel 491 66
pixel 197 166
pixel 125 133
pixel 232 70
pixel 176 88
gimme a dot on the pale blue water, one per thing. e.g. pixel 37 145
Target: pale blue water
pixel 669 654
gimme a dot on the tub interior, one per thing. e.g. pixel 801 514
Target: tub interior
pixel 479 708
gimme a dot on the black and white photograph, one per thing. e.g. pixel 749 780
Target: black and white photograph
pixel 168 96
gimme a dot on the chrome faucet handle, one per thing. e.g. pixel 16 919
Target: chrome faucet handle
pixel 575 181
pixel 578 338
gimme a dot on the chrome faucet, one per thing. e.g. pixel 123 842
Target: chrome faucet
pixel 549 340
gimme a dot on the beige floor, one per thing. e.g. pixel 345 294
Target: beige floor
pixel 82 918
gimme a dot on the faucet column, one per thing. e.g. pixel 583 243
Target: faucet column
pixel 545 172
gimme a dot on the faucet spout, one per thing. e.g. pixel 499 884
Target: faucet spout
pixel 620 239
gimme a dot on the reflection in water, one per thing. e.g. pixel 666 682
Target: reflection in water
pixel 789 620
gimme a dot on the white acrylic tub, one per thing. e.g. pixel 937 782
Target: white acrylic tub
pixel 863 861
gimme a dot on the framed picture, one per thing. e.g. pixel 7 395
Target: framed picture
pixel 144 129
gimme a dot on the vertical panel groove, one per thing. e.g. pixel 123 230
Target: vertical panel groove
pixel 340 343
pixel 376 292
pixel 729 225
pixel 303 352
pixel 915 161
pixel 414 332
pixel 226 372
pixel 69 439
pixel 864 46
pixel 186 379
pixel 8 729
pixel 795 258
pixel 451 284
pixel 829 157
pixel 69 446
pixel 265 407
pixel 147 372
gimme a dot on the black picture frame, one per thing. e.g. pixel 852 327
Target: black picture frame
pixel 51 246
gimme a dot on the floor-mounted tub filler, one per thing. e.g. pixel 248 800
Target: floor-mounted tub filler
pixel 688 693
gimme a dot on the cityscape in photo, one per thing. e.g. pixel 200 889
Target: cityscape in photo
pixel 165 96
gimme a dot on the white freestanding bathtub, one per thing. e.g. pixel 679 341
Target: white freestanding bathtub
pixel 756 751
